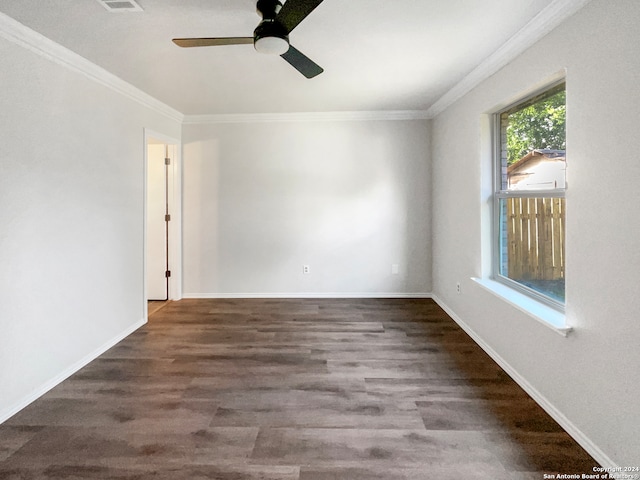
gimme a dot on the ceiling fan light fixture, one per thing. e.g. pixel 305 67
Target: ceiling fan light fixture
pixel 271 45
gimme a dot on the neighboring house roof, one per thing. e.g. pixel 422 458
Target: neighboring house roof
pixel 538 169
pixel 536 154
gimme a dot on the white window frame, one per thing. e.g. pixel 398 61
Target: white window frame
pixel 500 194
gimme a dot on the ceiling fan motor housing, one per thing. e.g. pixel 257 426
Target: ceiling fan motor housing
pixel 270 36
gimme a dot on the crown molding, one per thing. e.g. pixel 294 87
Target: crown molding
pixel 532 32
pixel 538 27
pixel 307 117
pixel 25 37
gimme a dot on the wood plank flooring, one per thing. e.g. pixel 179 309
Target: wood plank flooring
pixel 290 390
pixel 154 305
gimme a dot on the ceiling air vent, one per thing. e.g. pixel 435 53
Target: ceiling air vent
pixel 120 6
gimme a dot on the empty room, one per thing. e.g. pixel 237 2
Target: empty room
pixel 319 240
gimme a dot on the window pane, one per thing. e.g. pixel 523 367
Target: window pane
pixel 533 143
pixel 531 243
pixel 530 185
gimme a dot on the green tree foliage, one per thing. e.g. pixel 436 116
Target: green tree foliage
pixel 537 126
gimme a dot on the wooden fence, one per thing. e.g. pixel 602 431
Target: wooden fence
pixel 535 238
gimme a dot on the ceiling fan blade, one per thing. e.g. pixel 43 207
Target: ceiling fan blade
pixel 210 42
pixel 301 62
pixel 294 11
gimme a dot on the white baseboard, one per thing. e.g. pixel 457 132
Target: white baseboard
pixel 44 388
pixel 577 434
pixel 309 295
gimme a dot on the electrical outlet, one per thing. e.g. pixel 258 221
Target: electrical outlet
pixel 458 287
pixel 395 269
pixel 306 269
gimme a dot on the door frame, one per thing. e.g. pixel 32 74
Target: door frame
pixel 174 197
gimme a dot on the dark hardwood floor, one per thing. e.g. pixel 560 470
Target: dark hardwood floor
pixel 290 390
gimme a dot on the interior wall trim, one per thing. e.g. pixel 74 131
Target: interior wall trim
pixel 25 37
pixel 297 117
pixel 579 436
pixel 537 28
pixel 66 373
pixel 533 31
pixel 308 295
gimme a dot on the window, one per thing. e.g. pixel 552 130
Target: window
pixel 529 199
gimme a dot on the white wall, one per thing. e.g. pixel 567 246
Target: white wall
pixel 347 198
pixel 590 379
pixel 71 210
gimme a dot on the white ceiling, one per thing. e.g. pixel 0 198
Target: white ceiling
pixel 377 54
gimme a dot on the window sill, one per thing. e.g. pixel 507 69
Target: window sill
pixel 544 314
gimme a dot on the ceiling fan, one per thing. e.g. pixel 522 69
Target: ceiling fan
pixel 271 36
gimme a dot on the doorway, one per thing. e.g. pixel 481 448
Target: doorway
pixel 162 248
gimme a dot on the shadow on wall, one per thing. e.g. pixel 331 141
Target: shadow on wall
pixel 259 207
pixel 200 212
